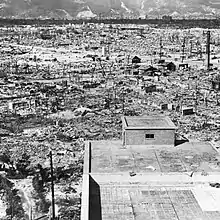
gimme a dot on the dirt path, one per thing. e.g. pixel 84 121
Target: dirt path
pixel 2 209
pixel 25 188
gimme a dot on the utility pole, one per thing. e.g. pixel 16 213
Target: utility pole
pixel 115 99
pixel 183 48
pixel 31 213
pixel 191 48
pixel 199 49
pixel 128 59
pixel 208 49
pixel 196 91
pixel 161 46
pixel 141 32
pixel 100 16
pixel 64 68
pixel 12 208
pixel 52 187
pixel 123 100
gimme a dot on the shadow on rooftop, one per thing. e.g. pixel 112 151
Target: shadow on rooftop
pixel 180 140
pixel 95 211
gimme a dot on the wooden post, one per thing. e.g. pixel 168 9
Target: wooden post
pixel 183 48
pixel 52 186
pixel 208 50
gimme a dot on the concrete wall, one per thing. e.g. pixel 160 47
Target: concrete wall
pixel 161 137
pixel 86 183
pixel 154 179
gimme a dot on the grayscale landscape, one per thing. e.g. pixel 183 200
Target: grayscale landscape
pixel 109 109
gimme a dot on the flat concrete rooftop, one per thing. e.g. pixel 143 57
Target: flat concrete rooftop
pixel 133 202
pixel 169 183
pixel 148 122
pixel 112 157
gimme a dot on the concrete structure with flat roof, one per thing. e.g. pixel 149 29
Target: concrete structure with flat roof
pixel 150 183
pixel 148 131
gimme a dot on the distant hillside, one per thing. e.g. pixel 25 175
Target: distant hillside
pixel 91 8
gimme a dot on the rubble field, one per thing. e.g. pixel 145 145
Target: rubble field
pixel 63 85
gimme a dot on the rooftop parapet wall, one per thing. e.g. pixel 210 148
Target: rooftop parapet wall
pixel 156 179
pixel 86 183
pixel 147 122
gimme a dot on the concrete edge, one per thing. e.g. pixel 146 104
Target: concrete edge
pixel 85 184
pixel 197 177
pixel 170 125
pixel 150 128
pixel 124 122
pixel 214 146
pixel 161 174
pixel 87 158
